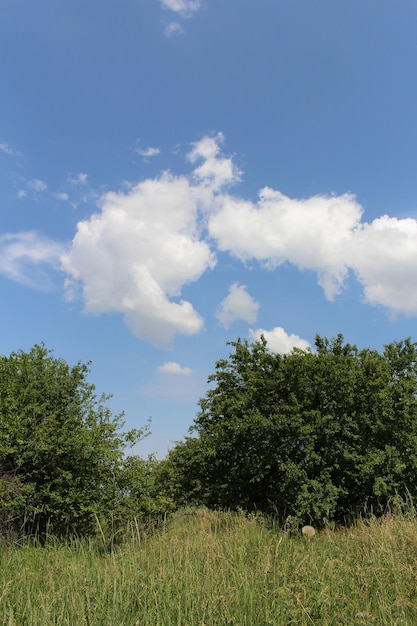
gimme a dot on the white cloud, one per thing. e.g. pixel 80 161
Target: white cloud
pixel 22 256
pixel 36 185
pixel 279 341
pixel 215 169
pixel 147 153
pixel 384 257
pixel 137 253
pixel 185 8
pixel 170 367
pixel 61 196
pixel 237 305
pixel 6 149
pixel 78 179
pixel 325 234
pixel 173 28
pixel 314 233
pixel 144 244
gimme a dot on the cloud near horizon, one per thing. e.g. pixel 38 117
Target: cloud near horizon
pixel 143 245
pixel 278 340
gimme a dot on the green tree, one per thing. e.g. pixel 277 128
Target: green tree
pixel 60 445
pixel 142 494
pixel 318 436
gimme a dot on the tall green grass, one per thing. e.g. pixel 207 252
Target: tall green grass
pixel 202 568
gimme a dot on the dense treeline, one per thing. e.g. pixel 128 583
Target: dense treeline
pixel 315 436
pixel 311 436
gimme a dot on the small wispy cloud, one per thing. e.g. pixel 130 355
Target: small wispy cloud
pixel 173 29
pixel 37 185
pixel 147 153
pixel 78 179
pixel 170 367
pixel 27 257
pixel 61 196
pixel 185 8
pixel 7 149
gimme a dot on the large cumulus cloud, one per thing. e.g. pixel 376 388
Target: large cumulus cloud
pixel 135 255
pixel 144 244
pixel 315 233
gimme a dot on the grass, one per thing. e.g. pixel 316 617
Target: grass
pixel 208 569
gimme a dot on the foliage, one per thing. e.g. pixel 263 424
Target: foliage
pixel 60 446
pixel 141 495
pixel 319 436
pixel 183 473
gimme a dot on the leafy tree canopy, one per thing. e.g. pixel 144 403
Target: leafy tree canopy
pixel 317 435
pixel 60 445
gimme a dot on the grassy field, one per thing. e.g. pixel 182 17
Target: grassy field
pixel 203 568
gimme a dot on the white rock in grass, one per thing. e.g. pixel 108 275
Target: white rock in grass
pixel 308 531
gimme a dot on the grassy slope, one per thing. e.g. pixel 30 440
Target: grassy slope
pixel 206 568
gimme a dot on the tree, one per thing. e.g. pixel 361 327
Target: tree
pixel 60 446
pixel 142 493
pixel 317 436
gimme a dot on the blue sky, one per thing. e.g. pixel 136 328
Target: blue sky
pixel 178 173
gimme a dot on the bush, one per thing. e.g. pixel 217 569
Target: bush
pixel 60 446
